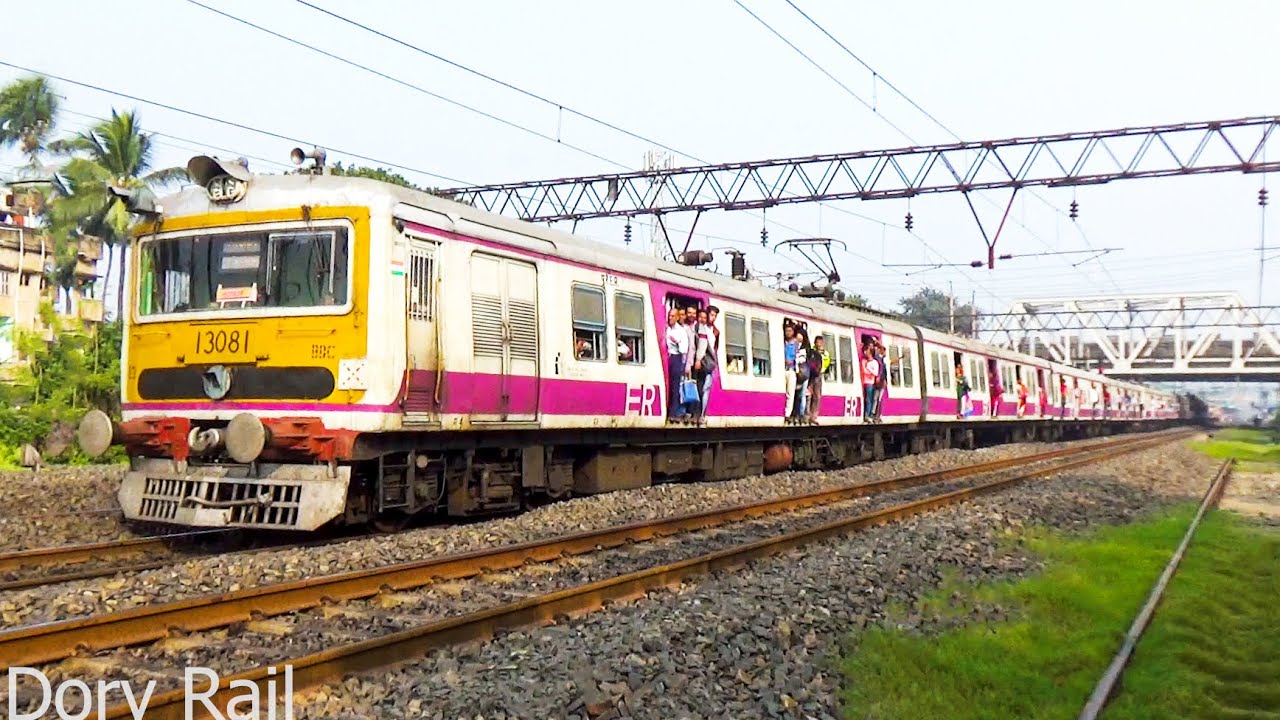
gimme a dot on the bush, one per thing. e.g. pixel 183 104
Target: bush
pixel 57 384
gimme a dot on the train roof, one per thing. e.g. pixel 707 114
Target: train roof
pixel 269 192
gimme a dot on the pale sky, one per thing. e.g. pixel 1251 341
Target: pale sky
pixel 706 78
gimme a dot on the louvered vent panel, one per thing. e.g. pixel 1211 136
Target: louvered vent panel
pixel 524 330
pixel 486 326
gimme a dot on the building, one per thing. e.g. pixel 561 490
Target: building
pixel 25 254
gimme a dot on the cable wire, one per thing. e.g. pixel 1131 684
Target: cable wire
pixel 229 123
pixel 411 86
pixel 950 132
pixel 503 83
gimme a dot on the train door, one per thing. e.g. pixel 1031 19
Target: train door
pixel 504 345
pixel 422 340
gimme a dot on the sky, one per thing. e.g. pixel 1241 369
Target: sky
pixel 711 81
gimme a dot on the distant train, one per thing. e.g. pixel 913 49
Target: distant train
pixel 303 350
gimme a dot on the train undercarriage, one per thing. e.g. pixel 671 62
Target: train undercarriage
pixel 400 476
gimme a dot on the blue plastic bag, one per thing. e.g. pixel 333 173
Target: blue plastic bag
pixel 689 392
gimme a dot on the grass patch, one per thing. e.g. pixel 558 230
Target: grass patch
pixel 1256 450
pixel 1068 622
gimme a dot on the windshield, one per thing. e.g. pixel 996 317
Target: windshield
pixel 226 271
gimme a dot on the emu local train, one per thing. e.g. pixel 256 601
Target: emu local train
pixel 304 350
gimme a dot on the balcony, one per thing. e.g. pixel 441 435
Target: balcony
pixel 90 310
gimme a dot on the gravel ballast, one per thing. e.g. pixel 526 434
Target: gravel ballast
pixel 60 506
pixel 758 642
pixel 227 573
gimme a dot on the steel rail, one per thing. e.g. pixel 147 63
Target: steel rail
pixel 1107 683
pixel 66 554
pixel 35 644
pixel 338 662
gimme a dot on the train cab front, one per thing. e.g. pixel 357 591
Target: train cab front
pixel 245 355
pixel 249 472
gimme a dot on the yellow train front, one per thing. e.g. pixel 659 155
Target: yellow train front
pixel 250 366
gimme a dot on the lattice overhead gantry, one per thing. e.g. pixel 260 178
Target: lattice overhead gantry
pixel 1203 336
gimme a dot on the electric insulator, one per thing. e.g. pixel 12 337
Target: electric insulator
pixel 764 236
pixel 1075 210
pixel 1262 197
pixel 626 232
pixel 909 222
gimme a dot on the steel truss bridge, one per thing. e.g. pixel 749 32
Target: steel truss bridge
pixel 1188 337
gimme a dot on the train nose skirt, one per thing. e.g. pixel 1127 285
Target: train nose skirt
pixel 279 497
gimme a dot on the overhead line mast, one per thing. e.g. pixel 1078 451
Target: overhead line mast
pixel 1061 160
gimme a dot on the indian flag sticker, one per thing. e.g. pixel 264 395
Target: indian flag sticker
pixel 397 267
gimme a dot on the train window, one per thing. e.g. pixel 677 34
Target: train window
pixel 760 348
pixel 945 369
pixel 935 374
pixel 846 359
pixel 588 322
pixel 422 282
pixel 246 269
pixel 628 318
pixel 895 366
pixel 735 344
pixel 908 367
pixel 833 358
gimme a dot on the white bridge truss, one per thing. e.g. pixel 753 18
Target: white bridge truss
pixel 1204 336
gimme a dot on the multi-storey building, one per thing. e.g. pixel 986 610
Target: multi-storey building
pixel 26 252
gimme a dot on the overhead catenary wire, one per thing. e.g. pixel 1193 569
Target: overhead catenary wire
pixel 232 123
pixel 880 115
pixel 528 93
pixel 412 86
pixel 560 106
pixel 479 74
pixel 882 79
pixel 870 107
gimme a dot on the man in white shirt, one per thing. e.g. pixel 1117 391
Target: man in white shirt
pixel 679 345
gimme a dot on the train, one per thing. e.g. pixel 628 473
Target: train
pixel 309 350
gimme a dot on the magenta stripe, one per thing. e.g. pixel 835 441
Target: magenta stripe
pixel 272 406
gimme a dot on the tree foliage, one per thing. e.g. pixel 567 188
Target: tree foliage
pixel 932 308
pixel 28 110
pixel 384 175
pixel 63 378
pixel 115 152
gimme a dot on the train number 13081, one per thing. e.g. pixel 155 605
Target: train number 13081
pixel 218 342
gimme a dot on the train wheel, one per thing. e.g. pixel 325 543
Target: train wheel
pixel 390 523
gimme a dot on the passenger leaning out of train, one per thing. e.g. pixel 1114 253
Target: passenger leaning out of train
pixel 1022 397
pixel 1043 397
pixel 789 347
pixel 882 378
pixel 1094 399
pixel 713 312
pixel 870 376
pixel 799 407
pixel 997 393
pixel 819 362
pixel 963 404
pixel 679 346
pixel 704 363
pixel 1062 395
pixel 1106 401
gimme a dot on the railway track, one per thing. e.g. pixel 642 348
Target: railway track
pixel 56 641
pixel 44 566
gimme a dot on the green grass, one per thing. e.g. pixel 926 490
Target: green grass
pixel 1254 449
pixel 1215 637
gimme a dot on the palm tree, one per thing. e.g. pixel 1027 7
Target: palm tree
pixel 113 152
pixel 27 111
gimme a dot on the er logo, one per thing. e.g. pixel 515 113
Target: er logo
pixel 643 400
